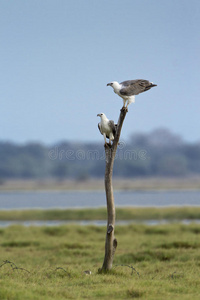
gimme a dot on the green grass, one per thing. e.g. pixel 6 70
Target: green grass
pixel 49 263
pixel 134 214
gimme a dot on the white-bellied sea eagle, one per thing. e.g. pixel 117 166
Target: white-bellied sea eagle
pixel 129 88
pixel 107 128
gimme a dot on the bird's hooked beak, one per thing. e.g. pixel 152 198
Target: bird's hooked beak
pixel 109 84
pixel 99 115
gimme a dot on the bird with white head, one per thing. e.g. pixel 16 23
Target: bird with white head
pixel 107 128
pixel 129 88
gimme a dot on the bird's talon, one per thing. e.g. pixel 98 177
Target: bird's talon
pixel 107 145
pixel 124 108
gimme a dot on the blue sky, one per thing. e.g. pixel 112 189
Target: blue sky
pixel 56 58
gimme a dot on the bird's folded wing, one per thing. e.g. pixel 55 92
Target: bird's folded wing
pixel 113 126
pixel 99 126
pixel 134 87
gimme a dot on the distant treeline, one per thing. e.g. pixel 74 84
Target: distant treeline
pixel 160 153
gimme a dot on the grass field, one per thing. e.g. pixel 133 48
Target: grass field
pixel 129 213
pixel 151 262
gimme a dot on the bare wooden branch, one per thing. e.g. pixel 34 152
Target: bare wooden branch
pixel 110 151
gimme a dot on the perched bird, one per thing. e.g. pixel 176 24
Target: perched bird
pixel 107 127
pixel 128 89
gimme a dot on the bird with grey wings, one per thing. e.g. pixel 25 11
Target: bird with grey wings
pixel 129 88
pixel 107 128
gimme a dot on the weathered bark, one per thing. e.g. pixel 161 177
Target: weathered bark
pixel 110 151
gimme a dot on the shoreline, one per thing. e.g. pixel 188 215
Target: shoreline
pixel 119 184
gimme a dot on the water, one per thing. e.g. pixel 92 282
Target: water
pixel 94 222
pixel 94 199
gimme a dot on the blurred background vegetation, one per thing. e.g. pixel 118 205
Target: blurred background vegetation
pixel 159 153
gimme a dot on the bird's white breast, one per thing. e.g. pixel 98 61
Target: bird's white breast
pixel 105 127
pixel 117 87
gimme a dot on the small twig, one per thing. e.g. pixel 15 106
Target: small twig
pixel 5 262
pixel 60 268
pixel 21 269
pixel 131 267
pixel 13 266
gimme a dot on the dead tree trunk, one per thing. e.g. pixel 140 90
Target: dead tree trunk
pixel 110 151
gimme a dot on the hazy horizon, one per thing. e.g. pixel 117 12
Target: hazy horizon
pixel 173 134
